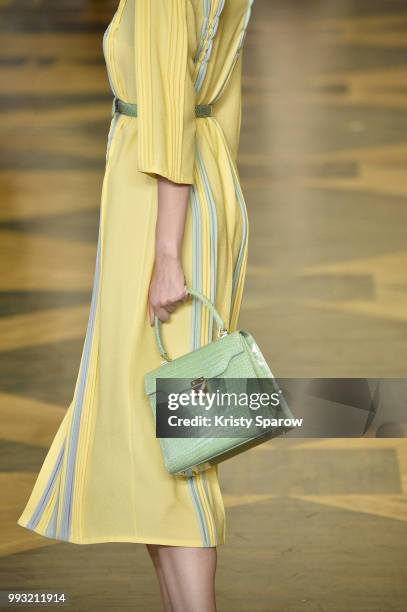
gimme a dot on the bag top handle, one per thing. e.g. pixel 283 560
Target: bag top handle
pixel 222 331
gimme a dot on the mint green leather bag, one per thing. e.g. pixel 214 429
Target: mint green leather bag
pixel 234 356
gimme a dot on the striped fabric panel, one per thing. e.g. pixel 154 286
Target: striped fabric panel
pixel 213 237
pixel 239 272
pixel 206 252
pixel 200 508
pixel 206 46
pixel 204 275
pixel 52 525
pixel 207 505
pixel 73 437
pixel 196 266
pixel 205 240
pixel 245 24
pixel 63 474
pixel 48 491
pixel 240 267
pixel 200 493
pixel 208 496
pixel 242 37
pixel 204 29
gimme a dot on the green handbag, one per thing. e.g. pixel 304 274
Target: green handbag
pixel 231 359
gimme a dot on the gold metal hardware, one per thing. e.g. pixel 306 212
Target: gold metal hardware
pixel 199 384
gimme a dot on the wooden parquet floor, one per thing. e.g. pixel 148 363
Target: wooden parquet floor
pixel 312 525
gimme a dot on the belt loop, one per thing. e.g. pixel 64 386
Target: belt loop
pixel 203 110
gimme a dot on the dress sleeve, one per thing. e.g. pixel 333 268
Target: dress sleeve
pixel 165 93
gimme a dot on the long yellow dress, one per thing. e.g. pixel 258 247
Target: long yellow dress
pixel 103 479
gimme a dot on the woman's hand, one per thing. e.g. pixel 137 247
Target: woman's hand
pixel 167 287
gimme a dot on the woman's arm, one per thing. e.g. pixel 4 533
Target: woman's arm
pixel 166 136
pixel 167 286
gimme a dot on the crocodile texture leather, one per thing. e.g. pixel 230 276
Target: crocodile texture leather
pixel 235 356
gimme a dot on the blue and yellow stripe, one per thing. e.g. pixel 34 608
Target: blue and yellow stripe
pixel 205 241
pixel 54 511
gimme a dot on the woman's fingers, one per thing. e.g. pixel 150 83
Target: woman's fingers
pixel 162 314
pixel 163 311
pixel 168 289
pixel 170 307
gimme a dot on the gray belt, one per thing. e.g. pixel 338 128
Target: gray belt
pixel 130 109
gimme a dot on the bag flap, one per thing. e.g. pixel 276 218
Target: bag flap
pixel 209 361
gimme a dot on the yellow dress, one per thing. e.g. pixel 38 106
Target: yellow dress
pixel 103 479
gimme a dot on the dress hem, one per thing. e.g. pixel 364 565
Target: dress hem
pixel 129 539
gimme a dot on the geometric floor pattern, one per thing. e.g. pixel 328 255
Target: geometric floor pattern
pixel 312 525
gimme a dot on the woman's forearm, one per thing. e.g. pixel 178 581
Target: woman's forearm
pixel 167 287
pixel 172 207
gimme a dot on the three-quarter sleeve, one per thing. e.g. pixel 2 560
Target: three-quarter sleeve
pixel 165 93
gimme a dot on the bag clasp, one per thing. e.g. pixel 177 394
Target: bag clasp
pixel 199 384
